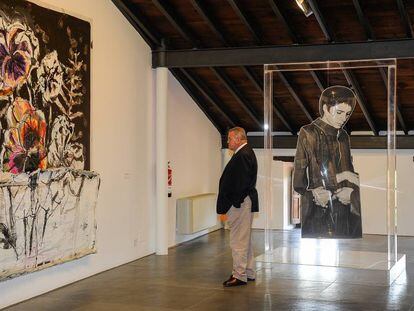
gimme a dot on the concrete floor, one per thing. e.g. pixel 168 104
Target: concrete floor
pixel 191 276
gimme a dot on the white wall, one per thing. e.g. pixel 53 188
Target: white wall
pixel 194 152
pixel 122 150
pixel 371 166
pixel 277 211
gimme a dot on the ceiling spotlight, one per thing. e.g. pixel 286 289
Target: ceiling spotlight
pixel 304 6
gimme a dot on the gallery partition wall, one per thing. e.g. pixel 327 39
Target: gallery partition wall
pixel 333 204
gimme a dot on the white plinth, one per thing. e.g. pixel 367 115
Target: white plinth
pixel 333 257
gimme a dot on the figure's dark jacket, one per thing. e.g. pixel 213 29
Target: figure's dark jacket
pixel 321 153
pixel 238 181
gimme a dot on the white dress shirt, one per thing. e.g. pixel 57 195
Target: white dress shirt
pixel 241 146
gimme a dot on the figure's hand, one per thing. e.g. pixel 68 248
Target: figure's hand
pixel 223 217
pixel 347 175
pixel 344 195
pixel 321 196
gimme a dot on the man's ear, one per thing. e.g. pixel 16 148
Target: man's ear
pixel 325 109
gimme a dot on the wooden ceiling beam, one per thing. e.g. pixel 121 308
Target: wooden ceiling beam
pixel 249 73
pixel 285 81
pixel 139 23
pixel 361 99
pixel 318 80
pixel 295 39
pixel 363 20
pixel 385 49
pixel 315 75
pixel 348 73
pixel 243 102
pixel 281 16
pixel 193 94
pixel 295 95
pixel 246 19
pixel 371 36
pixel 208 17
pixel 397 104
pixel 209 95
pixel 401 118
pixel 281 115
pixel 405 17
pixel 251 56
pixel 175 20
pixel 321 21
pixel 212 22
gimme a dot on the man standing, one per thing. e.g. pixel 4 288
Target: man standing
pixel 238 199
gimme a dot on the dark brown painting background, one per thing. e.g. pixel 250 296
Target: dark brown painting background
pixel 59 32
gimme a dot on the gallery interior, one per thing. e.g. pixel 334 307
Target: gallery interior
pixel 114 130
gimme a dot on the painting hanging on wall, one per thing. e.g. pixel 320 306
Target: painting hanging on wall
pixel 47 193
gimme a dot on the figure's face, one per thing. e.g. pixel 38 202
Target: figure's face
pixel 233 141
pixel 337 115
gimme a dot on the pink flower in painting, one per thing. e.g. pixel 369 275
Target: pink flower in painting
pixel 16 158
pixel 18 50
pixel 25 139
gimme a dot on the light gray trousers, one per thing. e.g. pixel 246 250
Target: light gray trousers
pixel 240 223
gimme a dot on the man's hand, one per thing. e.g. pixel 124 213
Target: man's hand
pixel 347 175
pixel 223 217
pixel 344 195
pixel 321 196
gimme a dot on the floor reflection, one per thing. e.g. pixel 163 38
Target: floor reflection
pixel 327 253
pixel 191 276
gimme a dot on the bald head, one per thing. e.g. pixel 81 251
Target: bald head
pixel 236 138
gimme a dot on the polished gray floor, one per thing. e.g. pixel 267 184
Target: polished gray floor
pixel 191 276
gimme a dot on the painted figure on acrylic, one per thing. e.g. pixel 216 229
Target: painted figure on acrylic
pixel 324 174
pixel 47 198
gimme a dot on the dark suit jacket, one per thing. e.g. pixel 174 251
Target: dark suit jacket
pixel 238 181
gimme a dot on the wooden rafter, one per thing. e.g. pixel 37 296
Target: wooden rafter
pixel 363 20
pixel 139 23
pixel 281 115
pixel 168 11
pixel 243 102
pixel 406 19
pixel 246 19
pixel 198 100
pixel 209 95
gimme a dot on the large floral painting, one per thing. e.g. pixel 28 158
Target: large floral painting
pixel 44 88
pixel 47 196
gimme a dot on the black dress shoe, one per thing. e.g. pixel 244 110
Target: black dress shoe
pixel 234 282
pixel 229 279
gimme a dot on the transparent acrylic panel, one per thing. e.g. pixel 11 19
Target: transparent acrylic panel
pixel 392 169
pixel 333 231
pixel 268 159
